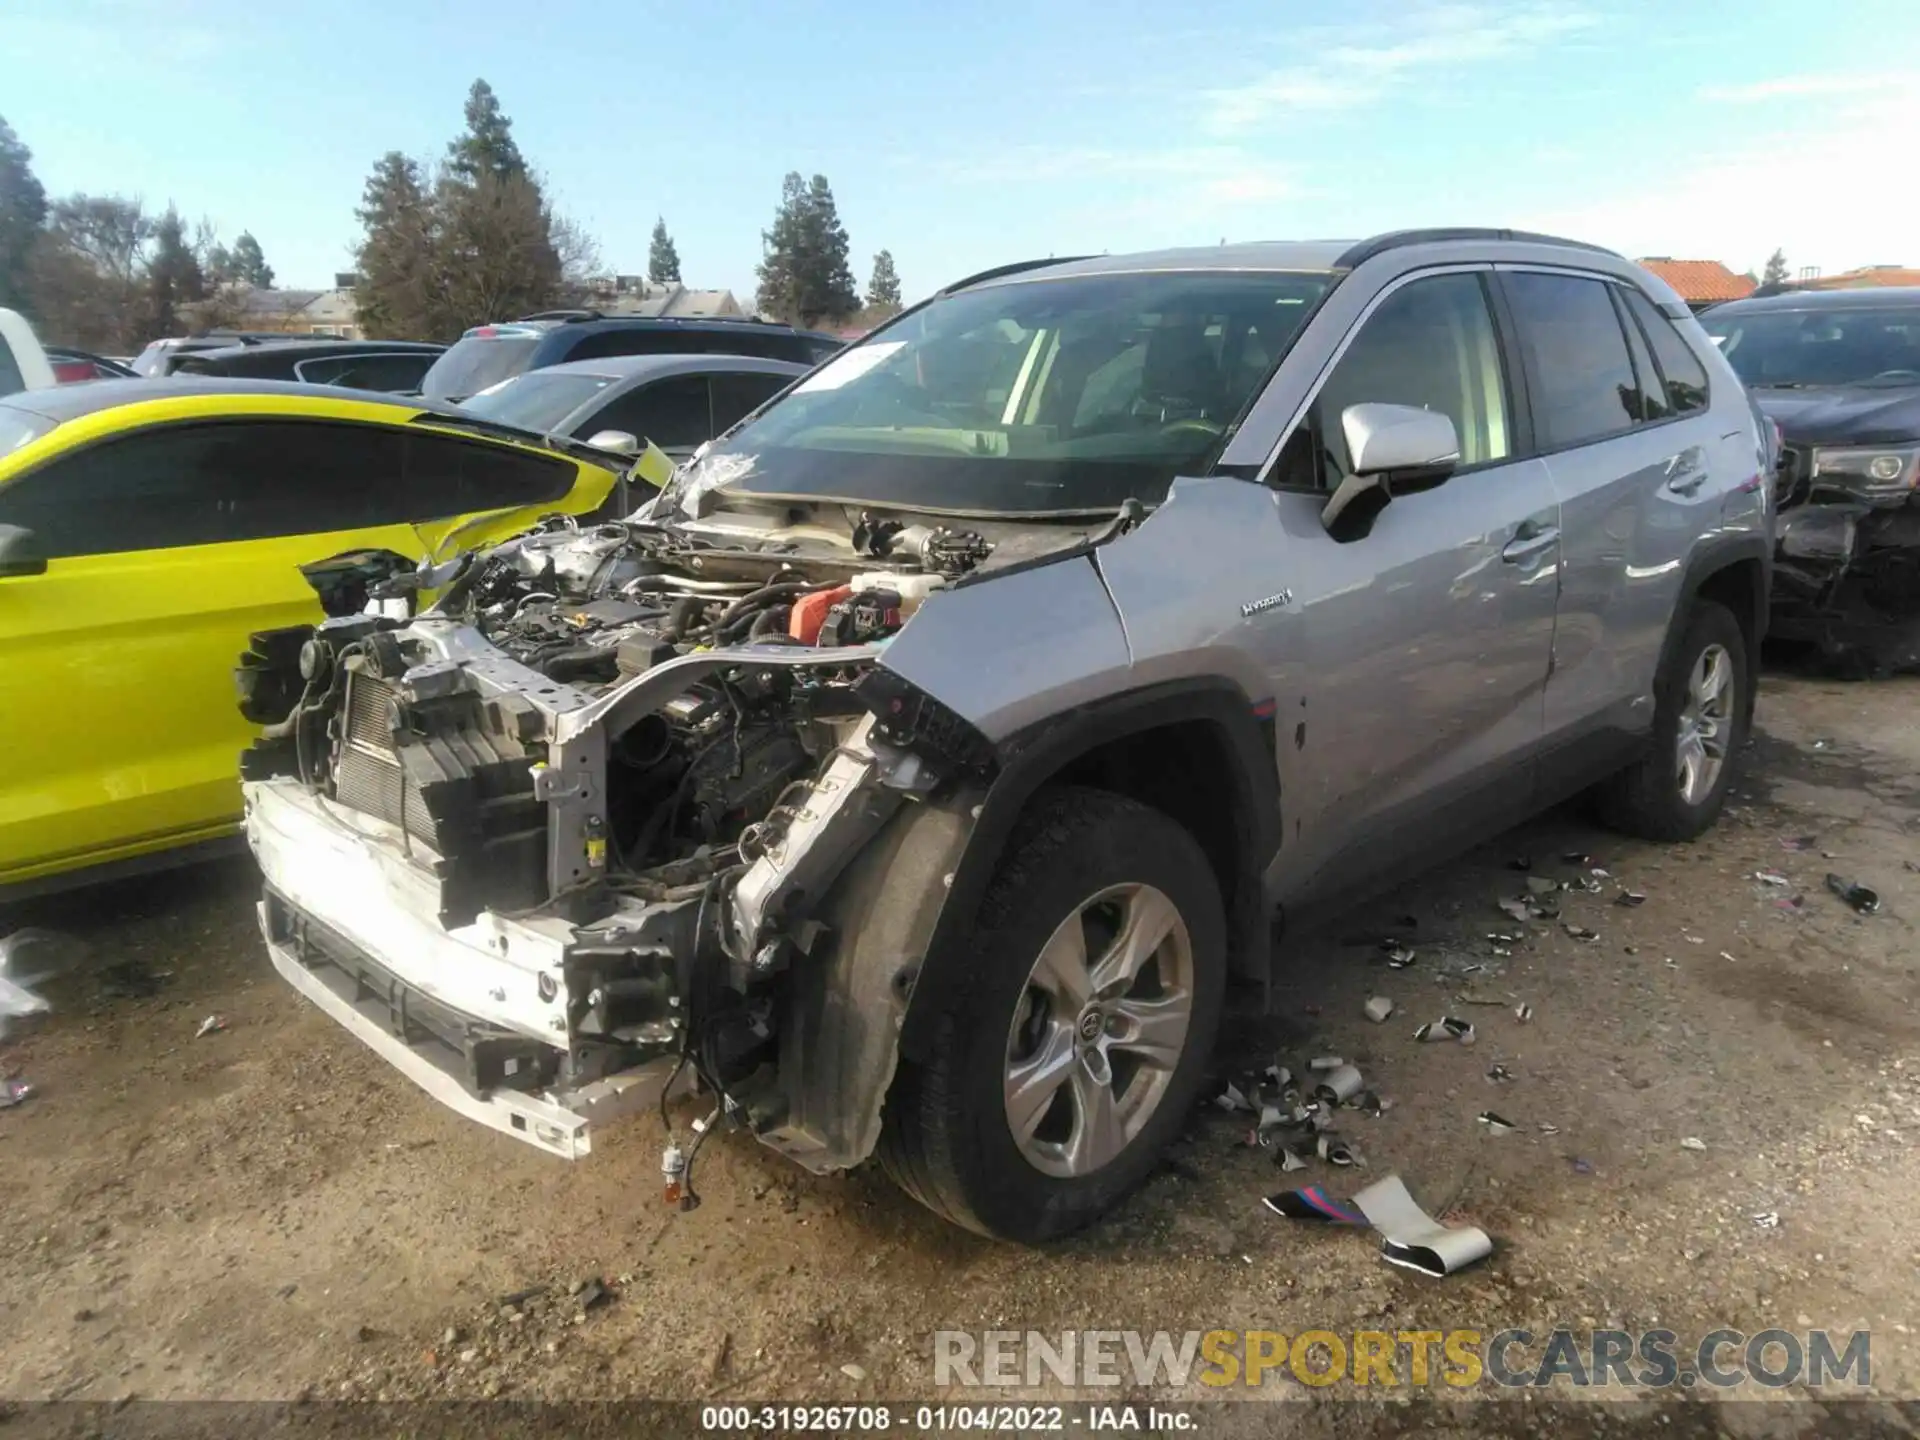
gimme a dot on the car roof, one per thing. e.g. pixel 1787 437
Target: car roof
pixel 1872 297
pixel 319 343
pixel 641 367
pixel 64 403
pixel 1270 256
pixel 717 324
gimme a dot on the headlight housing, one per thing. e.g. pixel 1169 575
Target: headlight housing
pixel 1870 471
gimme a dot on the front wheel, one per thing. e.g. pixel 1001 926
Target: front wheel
pixel 1702 712
pixel 1078 1028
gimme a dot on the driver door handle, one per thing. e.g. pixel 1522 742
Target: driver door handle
pixel 1529 542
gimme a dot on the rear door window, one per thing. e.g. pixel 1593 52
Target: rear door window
pixel 1684 376
pixel 675 413
pixel 737 395
pixel 1582 383
pixel 393 372
pixel 213 484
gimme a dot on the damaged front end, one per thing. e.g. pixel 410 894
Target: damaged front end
pixel 1847 574
pixel 630 805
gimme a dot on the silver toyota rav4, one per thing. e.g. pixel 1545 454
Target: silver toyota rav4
pixel 917 770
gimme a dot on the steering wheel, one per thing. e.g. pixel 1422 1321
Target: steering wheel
pixel 1212 430
pixel 1898 375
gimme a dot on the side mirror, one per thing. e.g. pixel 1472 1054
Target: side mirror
pixel 616 442
pixel 1393 450
pixel 20 553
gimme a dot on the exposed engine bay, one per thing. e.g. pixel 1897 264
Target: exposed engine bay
pixel 614 771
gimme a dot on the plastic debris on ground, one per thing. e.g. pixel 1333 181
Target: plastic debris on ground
pixel 1767 1219
pixel 1523 1012
pixel 1862 900
pixel 1693 1142
pixel 1500 1075
pixel 1800 842
pixel 1378 1008
pixel 1580 932
pixel 18 1003
pixel 1516 909
pixel 1447 1028
pixel 1771 877
pixel 1630 898
pixel 1321 1063
pixel 1399 957
pixel 1336 1087
pixel 1409 1237
pixel 15 1092
pixel 1496 1124
pixel 212 1025
pixel 1541 885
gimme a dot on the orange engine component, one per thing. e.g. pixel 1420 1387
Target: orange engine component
pixel 810 613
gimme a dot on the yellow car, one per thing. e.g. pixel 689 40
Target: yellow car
pixel 148 527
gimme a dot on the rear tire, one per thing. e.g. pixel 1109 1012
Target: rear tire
pixel 1703 711
pixel 1065 1012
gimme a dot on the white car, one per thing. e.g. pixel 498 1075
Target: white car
pixel 23 364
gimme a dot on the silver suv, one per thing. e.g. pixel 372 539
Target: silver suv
pixel 920 767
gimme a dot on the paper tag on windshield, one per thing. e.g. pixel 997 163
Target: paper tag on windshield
pixel 849 365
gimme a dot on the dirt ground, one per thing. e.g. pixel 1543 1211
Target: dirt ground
pixel 270 1212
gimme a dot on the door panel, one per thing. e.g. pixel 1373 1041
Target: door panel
pixel 1428 647
pixel 121 728
pixel 1429 639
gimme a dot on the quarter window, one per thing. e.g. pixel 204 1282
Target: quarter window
pixel 1652 397
pixel 209 484
pixel 1685 376
pixel 1582 378
pixel 1431 344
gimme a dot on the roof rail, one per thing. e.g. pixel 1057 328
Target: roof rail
pixel 567 315
pixel 1001 271
pixel 1356 255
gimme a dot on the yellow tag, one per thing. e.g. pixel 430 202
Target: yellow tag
pixel 596 852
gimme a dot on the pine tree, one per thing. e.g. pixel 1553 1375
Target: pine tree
pixel 247 264
pixel 23 210
pixel 804 276
pixel 663 260
pixel 396 293
pixel 487 147
pixel 1776 271
pixel 174 281
pixel 883 290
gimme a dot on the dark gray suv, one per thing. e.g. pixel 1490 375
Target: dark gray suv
pixel 918 769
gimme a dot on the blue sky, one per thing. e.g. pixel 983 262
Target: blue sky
pixel 964 135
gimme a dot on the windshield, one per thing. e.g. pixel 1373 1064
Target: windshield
pixel 1063 396
pixel 1819 347
pixel 477 362
pixel 537 400
pixel 18 427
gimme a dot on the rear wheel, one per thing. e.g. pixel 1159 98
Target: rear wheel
pixel 1702 713
pixel 1077 1032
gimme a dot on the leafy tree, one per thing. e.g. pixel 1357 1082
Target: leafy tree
pixel 247 264
pixel 804 275
pixel 1776 271
pixel 663 260
pixel 487 147
pixel 883 289
pixel 23 209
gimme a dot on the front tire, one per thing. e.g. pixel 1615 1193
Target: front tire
pixel 1703 711
pixel 1078 1027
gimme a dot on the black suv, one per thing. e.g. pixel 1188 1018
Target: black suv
pixel 1839 372
pixel 488 354
pixel 395 366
